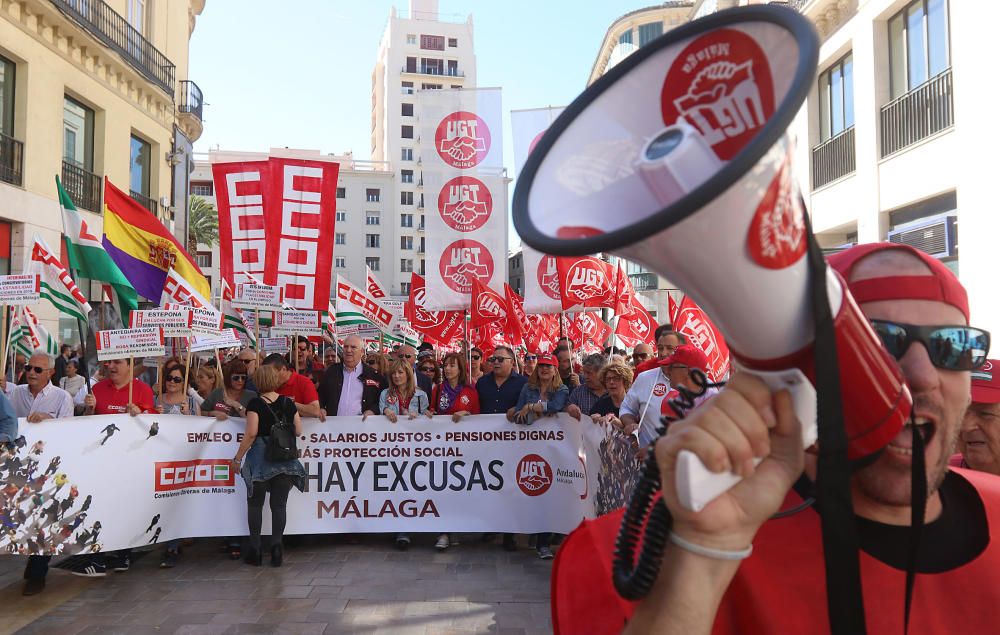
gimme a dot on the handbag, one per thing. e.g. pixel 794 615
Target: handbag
pixel 280 444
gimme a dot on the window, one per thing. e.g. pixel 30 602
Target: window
pixel 918 45
pixel 407 88
pixel 406 220
pixel 407 110
pixel 372 194
pixel 836 98
pixel 340 239
pixel 406 176
pixel 625 38
pixel 423 245
pixel 431 66
pixel 453 68
pixel 452 42
pixel 372 240
pixel 411 65
pixel 432 42
pixel 373 263
pixel 649 32
pixel 404 288
pixel 406 265
pixel 411 38
pixel 423 265
pixel 406 132
pixel 455 87
pixel 139 167
pixel 341 192
pixel 7 97
pixel 421 205
pixel 406 198
pixel 372 218
pixel 406 242
pixel 430 86
pixel 421 227
pixel 202 188
pixel 407 154
pixel 341 217
pixel 78 134
pixel 204 258
pixel 340 262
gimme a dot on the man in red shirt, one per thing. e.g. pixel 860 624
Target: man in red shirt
pixel 111 394
pixel 296 386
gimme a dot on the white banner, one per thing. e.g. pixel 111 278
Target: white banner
pixel 466 194
pixel 259 296
pixel 296 323
pixel 527 128
pixel 124 343
pixel 175 322
pixel 226 338
pixel 274 344
pixel 20 289
pixel 424 475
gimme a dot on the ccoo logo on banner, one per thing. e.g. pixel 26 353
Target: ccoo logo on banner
pixel 463 178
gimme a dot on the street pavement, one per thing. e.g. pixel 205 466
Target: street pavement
pixel 328 584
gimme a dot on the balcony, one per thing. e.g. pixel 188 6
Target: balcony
pixel 146 202
pixel 833 158
pixel 920 113
pixel 11 160
pixel 644 281
pixel 421 227
pixel 114 31
pixel 430 70
pixel 191 99
pixel 83 187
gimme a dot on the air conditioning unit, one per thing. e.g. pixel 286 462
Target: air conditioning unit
pixel 829 251
pixel 937 237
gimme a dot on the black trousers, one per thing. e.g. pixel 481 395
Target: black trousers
pixel 278 487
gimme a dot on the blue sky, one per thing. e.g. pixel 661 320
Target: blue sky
pixel 302 78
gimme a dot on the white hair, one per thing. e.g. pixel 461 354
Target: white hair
pixel 49 356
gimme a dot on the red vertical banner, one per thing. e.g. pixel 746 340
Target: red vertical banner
pixel 240 196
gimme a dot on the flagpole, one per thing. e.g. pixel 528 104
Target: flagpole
pixel 187 368
pixel 468 341
pixel 3 330
pixel 256 343
pixel 83 352
pixel 131 380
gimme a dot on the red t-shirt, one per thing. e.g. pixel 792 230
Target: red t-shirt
pixel 113 401
pixel 467 399
pixel 300 389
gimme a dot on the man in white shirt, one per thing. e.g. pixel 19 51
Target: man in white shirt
pixel 39 399
pixel 641 409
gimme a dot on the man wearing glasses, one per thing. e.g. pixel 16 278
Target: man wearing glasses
pixel 249 357
pixel 921 314
pixel 641 354
pixel 583 397
pixel 499 390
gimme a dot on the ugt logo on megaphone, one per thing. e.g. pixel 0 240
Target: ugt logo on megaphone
pixel 465 203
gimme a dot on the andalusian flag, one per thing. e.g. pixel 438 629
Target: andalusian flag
pixel 88 258
pixel 143 248
pixel 28 335
pixel 57 285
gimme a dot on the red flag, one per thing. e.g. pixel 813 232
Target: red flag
pixel 638 328
pixel 672 309
pixel 586 282
pixel 691 321
pixel 569 330
pixel 593 328
pixel 517 320
pixel 488 306
pixel 624 293
pixel 441 326
pixel 488 337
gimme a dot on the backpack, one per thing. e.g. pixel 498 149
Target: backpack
pixel 281 442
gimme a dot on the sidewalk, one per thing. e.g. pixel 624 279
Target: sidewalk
pixel 328 584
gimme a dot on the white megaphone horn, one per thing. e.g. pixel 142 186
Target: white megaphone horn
pixel 679 158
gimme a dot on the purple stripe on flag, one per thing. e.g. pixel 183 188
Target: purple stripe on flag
pixel 146 279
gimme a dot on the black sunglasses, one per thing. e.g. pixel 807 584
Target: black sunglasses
pixel 476 358
pixel 949 347
pixel 37 369
pixel 530 358
pixel 238 377
pixel 174 379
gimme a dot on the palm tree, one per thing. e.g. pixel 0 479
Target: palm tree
pixel 203 224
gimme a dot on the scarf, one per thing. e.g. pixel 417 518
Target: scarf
pixel 447 396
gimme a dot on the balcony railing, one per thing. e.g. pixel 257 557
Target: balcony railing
pixel 431 70
pixel 833 158
pixel 191 99
pixel 920 113
pixel 83 187
pixel 11 160
pixel 146 202
pixel 644 281
pixel 108 26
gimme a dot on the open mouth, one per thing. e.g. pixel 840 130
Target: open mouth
pixel 902 444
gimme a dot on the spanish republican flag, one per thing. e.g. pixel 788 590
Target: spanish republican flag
pixel 143 248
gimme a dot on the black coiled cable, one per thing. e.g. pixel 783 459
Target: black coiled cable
pixel 648 522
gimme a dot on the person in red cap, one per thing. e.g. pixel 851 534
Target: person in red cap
pixel 678 367
pixel 979 441
pixel 735 568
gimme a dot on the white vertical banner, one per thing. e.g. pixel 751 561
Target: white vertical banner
pixel 541 280
pixel 465 195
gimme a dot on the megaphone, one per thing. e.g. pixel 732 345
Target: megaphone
pixel 679 158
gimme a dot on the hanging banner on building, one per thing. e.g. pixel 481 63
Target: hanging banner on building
pixel 465 194
pixel 296 323
pixel 134 342
pixel 425 475
pixel 271 214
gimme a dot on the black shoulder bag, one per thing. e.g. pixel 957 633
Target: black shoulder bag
pixel 281 441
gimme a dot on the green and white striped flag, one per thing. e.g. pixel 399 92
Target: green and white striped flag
pixel 57 285
pixel 357 311
pixel 88 258
pixel 28 335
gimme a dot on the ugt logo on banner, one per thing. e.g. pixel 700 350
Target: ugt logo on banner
pixel 463 261
pixel 534 475
pixel 465 203
pixel 548 276
pixel 462 139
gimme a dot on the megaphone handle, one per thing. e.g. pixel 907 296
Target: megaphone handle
pixel 697 486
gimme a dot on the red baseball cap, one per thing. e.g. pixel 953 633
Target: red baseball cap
pixel 546 359
pixel 986 383
pixel 687 355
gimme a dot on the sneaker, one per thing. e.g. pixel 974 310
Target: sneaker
pixel 443 542
pixel 545 553
pixel 170 559
pixel 121 563
pixel 402 542
pixel 89 569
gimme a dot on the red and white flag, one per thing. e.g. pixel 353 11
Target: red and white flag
pixel 638 328
pixel 517 320
pixel 488 306
pixel 689 320
pixel 586 282
pixel 439 326
pixel 624 293
pixel 374 286
pixel 592 328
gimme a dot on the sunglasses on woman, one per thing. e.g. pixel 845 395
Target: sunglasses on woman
pixel 530 358
pixel 238 377
pixel 174 379
pixel 427 369
pixel 949 347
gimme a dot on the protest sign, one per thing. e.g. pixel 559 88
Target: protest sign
pixel 297 323
pixel 258 296
pixel 20 289
pixel 146 341
pixel 226 338
pixel 175 322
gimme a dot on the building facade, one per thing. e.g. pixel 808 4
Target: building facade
pixel 88 89
pixel 365 232
pixel 419 50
